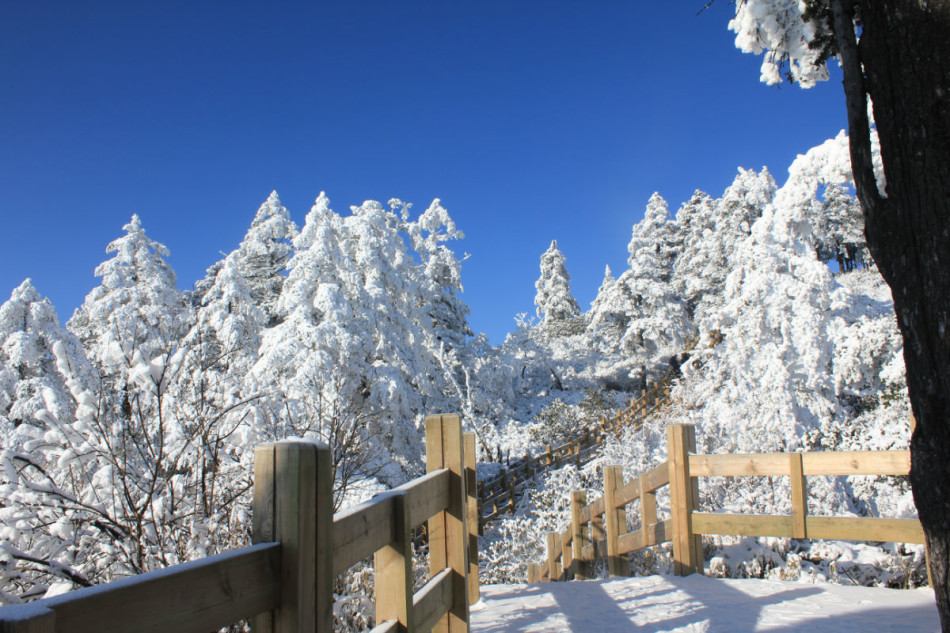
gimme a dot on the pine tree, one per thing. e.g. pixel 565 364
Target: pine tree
pixel 136 309
pixel 443 272
pixel 264 253
pixel 30 384
pixel 556 305
pixel 716 228
pixel 640 316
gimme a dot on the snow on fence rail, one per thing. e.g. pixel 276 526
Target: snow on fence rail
pixel 498 496
pixel 285 580
pixel 596 528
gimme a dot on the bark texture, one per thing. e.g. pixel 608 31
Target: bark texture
pixel 902 61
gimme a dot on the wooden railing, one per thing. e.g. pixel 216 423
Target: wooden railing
pixel 285 580
pixel 498 496
pixel 598 529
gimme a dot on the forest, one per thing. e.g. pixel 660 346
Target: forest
pixel 127 433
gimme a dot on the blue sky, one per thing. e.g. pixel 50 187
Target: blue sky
pixel 532 121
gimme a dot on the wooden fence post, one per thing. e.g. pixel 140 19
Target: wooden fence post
pixel 471 489
pixel 534 573
pixel 579 536
pixel 616 520
pixel 393 569
pixel 799 495
pixel 597 534
pixel 647 514
pixel 448 535
pixel 293 505
pixel 554 548
pixel 567 554
pixel 687 548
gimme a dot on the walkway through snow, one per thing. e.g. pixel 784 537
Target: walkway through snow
pixel 696 603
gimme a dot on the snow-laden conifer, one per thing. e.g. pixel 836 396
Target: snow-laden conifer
pixel 553 299
pixel 30 382
pixel 137 308
pixel 639 316
pixel 443 273
pixel 712 231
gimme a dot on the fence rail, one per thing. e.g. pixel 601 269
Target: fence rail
pixel 597 529
pixel 285 580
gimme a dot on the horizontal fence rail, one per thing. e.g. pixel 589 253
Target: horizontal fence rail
pixel 597 529
pixel 285 580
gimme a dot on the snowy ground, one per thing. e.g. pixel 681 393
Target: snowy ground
pixel 697 603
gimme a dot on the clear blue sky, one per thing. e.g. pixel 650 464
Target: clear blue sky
pixel 532 121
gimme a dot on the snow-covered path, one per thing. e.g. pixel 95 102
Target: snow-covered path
pixel 696 603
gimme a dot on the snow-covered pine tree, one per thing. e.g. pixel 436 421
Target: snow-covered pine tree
pixel 818 193
pixel 29 380
pixel 264 253
pixel 697 222
pixel 137 308
pixel 655 241
pixel 640 317
pixel 556 306
pixel 123 480
pixel 443 272
pixel 599 308
pixel 715 230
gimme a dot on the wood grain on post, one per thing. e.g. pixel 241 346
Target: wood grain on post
pixel 393 570
pixel 262 518
pixel 579 536
pixel 597 533
pixel 681 440
pixel 647 513
pixel 615 520
pixel 799 495
pixel 534 573
pixel 448 534
pixel 554 550
pixel 294 505
pixel 471 491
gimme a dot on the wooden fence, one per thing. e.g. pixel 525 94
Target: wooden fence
pixel 598 529
pixel 498 496
pixel 285 580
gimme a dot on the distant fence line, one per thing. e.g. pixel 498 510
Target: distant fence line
pixel 597 530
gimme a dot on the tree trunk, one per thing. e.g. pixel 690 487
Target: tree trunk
pixel 904 50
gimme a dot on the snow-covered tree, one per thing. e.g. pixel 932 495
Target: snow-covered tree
pixel 818 198
pixel 355 337
pixel 656 241
pixel 712 232
pixel 137 309
pixel 554 301
pixel 443 272
pixel 640 316
pixel 264 253
pixel 29 380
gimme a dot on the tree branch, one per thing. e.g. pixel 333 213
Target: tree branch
pixel 856 103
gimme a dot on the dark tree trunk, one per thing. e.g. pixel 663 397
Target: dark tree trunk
pixel 904 50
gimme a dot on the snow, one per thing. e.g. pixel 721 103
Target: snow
pixel 701 604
